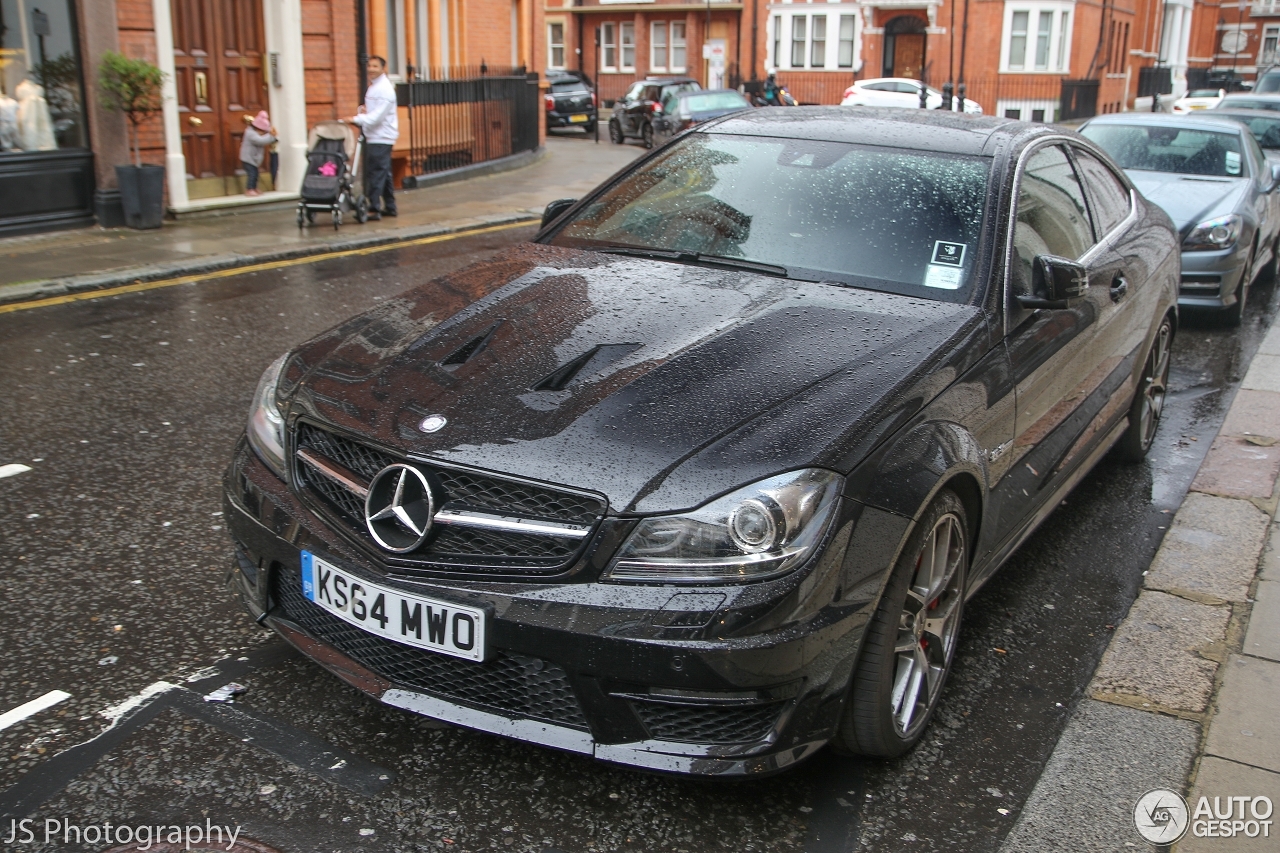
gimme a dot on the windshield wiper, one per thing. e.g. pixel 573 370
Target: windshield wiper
pixel 700 258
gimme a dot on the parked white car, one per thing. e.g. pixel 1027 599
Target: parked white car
pixel 1198 99
pixel 897 92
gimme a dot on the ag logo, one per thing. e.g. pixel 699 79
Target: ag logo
pixel 948 254
pixel 1161 816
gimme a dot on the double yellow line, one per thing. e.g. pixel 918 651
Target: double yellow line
pixel 270 265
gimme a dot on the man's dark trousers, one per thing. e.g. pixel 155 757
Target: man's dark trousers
pixel 377 177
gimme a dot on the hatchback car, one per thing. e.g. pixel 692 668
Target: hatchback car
pixel 701 479
pixel 682 110
pixel 901 92
pixel 633 113
pixel 1210 175
pixel 569 101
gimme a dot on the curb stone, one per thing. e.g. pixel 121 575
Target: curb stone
pixel 1186 658
pixel 33 290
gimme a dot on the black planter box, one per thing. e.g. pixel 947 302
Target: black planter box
pixel 142 195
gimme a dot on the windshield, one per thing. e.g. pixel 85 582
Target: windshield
pixel 1170 149
pixel 1203 93
pixel 1264 128
pixel 568 86
pixel 888 219
pixel 1269 82
pixel 1247 104
pixel 714 101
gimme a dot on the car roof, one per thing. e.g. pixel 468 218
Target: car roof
pixel 1244 112
pixel 935 130
pixel 663 81
pixel 695 92
pixel 1250 96
pixel 1203 120
pixel 887 80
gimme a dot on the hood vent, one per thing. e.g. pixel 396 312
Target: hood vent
pixel 470 349
pixel 597 357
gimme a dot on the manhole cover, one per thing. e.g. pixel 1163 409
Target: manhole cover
pixel 242 845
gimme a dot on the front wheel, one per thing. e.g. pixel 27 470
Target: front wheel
pixel 1148 400
pixel 1234 315
pixel 911 641
pixel 615 133
pixel 646 134
pixel 362 209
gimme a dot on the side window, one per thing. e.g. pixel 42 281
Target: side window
pixel 1261 170
pixel 879 87
pixel 1052 216
pixel 652 93
pixel 634 92
pixel 1109 197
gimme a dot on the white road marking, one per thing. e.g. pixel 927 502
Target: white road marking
pixel 115 712
pixel 35 706
pixel 12 469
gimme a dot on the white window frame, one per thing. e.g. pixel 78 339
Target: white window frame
pixel 851 41
pixel 553 45
pixel 658 42
pixel 1062 16
pixel 682 43
pixel 1267 56
pixel 626 29
pixel 608 46
pixel 781 29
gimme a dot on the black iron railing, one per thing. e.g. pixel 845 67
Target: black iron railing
pixel 463 116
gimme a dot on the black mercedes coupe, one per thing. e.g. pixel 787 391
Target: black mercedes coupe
pixel 700 479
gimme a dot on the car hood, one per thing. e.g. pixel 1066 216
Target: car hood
pixel 1190 199
pixel 657 384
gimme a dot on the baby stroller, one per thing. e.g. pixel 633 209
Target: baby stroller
pixel 333 173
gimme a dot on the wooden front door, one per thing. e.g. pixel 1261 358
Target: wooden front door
pixel 218 49
pixel 908 55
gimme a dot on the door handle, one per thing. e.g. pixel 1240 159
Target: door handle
pixel 1119 288
pixel 193 121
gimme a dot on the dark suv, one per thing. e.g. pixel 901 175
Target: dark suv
pixel 634 111
pixel 570 102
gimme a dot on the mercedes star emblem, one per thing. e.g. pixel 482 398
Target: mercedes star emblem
pixel 433 423
pixel 399 508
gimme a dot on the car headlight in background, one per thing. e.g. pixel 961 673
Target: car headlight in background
pixel 266 424
pixel 1212 234
pixel 758 532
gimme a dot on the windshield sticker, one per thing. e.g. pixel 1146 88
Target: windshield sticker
pixel 1233 163
pixel 943 277
pixel 951 254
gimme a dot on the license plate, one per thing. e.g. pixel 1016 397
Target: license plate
pixel 580 118
pixel 414 620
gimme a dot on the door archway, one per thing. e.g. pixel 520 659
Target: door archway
pixel 904 47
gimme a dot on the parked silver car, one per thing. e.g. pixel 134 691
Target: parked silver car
pixel 1212 178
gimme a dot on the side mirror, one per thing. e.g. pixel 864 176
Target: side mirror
pixel 1055 283
pixel 1275 175
pixel 555 208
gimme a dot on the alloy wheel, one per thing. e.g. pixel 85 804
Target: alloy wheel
pixel 1155 384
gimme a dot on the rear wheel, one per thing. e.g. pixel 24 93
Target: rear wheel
pixel 590 128
pixel 911 641
pixel 337 218
pixel 615 133
pixel 362 209
pixel 1148 401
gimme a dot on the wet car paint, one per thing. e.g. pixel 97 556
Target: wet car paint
pixel 997 725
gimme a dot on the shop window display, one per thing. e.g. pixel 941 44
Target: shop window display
pixel 41 95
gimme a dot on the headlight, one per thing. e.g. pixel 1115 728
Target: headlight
pixel 1220 233
pixel 760 531
pixel 266 424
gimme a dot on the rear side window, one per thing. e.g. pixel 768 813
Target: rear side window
pixel 1268 83
pixel 1108 197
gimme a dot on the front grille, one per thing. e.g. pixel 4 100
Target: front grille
pixel 509 685
pixel 708 723
pixel 1202 283
pixel 453 547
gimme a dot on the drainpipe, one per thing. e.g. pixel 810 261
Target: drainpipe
pixel 362 44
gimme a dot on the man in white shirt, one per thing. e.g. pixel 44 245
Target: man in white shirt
pixel 378 119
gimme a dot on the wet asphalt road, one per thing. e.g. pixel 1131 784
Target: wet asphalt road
pixel 113 558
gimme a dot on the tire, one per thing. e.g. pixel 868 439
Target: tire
pixel 1148 400
pixel 590 128
pixel 905 659
pixel 1234 315
pixel 337 219
pixel 646 134
pixel 302 218
pixel 362 209
pixel 615 133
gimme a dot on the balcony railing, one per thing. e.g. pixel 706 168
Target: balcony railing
pixel 1264 7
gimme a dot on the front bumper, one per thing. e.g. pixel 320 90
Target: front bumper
pixel 1212 279
pixel 738 681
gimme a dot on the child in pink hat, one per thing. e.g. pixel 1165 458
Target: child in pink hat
pixel 258 137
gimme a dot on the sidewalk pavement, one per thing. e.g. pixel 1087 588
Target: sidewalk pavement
pixel 53 264
pixel 1187 696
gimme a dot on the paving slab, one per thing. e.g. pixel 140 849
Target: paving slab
pixel 1271 343
pixel 1246 727
pixel 1264 373
pixel 1238 468
pixel 1263 637
pixel 1219 778
pixel 1106 759
pixel 1269 565
pixel 1253 413
pixel 1212 548
pixel 1156 655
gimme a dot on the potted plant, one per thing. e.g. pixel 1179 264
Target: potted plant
pixel 132 86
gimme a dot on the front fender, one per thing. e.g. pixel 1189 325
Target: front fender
pixel 904 475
